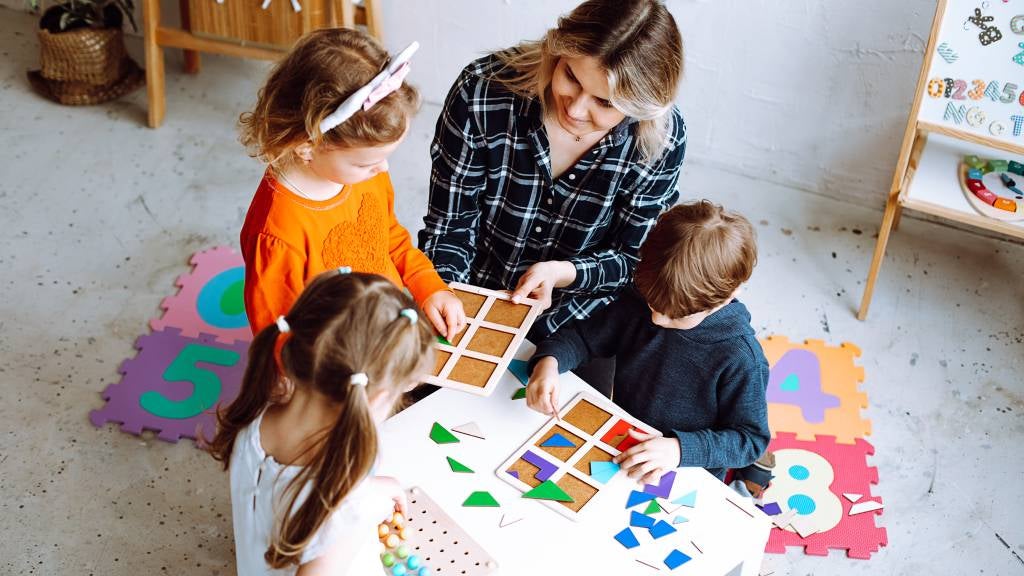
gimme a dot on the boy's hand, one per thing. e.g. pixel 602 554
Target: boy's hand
pixel 542 389
pixel 649 459
pixel 542 278
pixel 445 312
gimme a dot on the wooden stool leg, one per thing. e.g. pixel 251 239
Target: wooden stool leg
pixel 891 209
pixel 373 19
pixel 155 91
pixel 896 220
pixel 192 61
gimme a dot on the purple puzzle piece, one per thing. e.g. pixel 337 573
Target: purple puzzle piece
pixel 664 486
pixel 173 384
pixel 796 379
pixel 513 474
pixel 546 468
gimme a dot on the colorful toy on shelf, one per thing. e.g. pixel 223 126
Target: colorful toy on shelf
pixel 972 173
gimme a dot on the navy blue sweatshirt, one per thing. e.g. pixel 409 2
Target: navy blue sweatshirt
pixel 705 386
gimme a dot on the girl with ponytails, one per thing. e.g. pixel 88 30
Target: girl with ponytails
pixel 303 495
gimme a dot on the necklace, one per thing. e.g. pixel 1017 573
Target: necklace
pixel 297 190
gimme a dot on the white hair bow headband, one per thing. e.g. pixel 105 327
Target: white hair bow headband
pixel 389 80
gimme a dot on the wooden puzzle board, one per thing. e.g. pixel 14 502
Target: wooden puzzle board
pixel 597 428
pixel 441 543
pixel 476 357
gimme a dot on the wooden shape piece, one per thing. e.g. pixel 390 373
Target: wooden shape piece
pixel 562 453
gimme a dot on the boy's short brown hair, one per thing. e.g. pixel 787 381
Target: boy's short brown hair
pixel 695 258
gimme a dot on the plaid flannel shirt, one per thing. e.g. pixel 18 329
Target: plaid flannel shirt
pixel 495 210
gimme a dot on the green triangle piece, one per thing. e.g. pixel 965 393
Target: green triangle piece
pixel 443 340
pixel 458 466
pixel 520 394
pixel 481 499
pixel 652 508
pixel 441 435
pixel 548 490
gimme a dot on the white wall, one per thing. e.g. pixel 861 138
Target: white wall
pixel 810 94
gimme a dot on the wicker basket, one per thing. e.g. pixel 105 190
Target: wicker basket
pixel 87 55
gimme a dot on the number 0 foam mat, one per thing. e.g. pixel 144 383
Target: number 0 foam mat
pixel 194 357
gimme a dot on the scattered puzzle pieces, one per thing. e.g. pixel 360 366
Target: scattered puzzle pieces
pixel 652 508
pixel 457 466
pixel 636 497
pixel 519 394
pixel 470 429
pixel 440 435
pixel 640 520
pixel 852 497
pixel 772 509
pixel 503 523
pixel 443 340
pixel 173 385
pixel 679 520
pixel 481 499
pixel 627 538
pixel 675 559
pixel 661 528
pixel 865 506
pixel 664 486
pixel 689 499
pixel 548 490
pixel 520 369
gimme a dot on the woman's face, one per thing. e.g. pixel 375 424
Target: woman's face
pixel 579 89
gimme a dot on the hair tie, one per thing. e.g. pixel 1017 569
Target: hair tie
pixel 389 80
pixel 342 270
pixel 358 379
pixel 411 315
pixel 282 325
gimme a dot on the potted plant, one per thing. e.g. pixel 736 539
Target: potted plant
pixel 82 52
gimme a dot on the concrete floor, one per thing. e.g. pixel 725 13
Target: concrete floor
pixel 98 215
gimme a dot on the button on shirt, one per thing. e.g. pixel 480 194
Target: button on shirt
pixel 495 210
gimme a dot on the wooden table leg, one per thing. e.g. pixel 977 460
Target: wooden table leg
pixel 192 62
pixel 155 91
pixel 892 208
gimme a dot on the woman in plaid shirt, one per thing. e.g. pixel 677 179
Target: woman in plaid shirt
pixel 553 159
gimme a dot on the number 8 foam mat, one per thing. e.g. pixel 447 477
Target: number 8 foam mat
pixel 811 478
pixel 210 299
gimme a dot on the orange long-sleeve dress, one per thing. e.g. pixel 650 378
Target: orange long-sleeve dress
pixel 287 240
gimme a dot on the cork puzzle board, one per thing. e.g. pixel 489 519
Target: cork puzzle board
pixel 596 430
pixel 474 360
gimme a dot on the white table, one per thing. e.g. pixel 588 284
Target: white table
pixel 544 542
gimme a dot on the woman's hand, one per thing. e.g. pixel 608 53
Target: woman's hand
pixel 445 312
pixel 542 389
pixel 649 459
pixel 542 278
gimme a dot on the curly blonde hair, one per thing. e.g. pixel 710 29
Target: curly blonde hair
pixel 323 69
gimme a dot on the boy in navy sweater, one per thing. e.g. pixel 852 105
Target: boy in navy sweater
pixel 686 359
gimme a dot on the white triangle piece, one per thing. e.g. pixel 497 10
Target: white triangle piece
pixel 783 520
pixel 804 526
pixel 852 497
pixel 470 429
pixel 502 523
pixel 865 506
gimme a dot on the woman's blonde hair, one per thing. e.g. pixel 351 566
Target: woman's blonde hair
pixel 342 324
pixel 635 41
pixel 323 69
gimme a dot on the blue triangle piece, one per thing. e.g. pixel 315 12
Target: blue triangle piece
pixel 675 559
pixel 679 520
pixel 603 471
pixel 557 441
pixel 689 499
pixel 627 538
pixel 640 520
pixel 638 498
pixel 521 370
pixel 661 528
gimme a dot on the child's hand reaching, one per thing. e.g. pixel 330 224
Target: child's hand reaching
pixel 445 312
pixel 542 389
pixel 649 459
pixel 392 489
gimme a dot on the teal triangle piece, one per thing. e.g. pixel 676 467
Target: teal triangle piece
pixel 603 471
pixel 557 441
pixel 687 499
pixel 791 383
pixel 441 435
pixel 481 499
pixel 520 369
pixel 548 490
pixel 520 393
pixel 679 520
pixel 636 497
pixel 457 466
